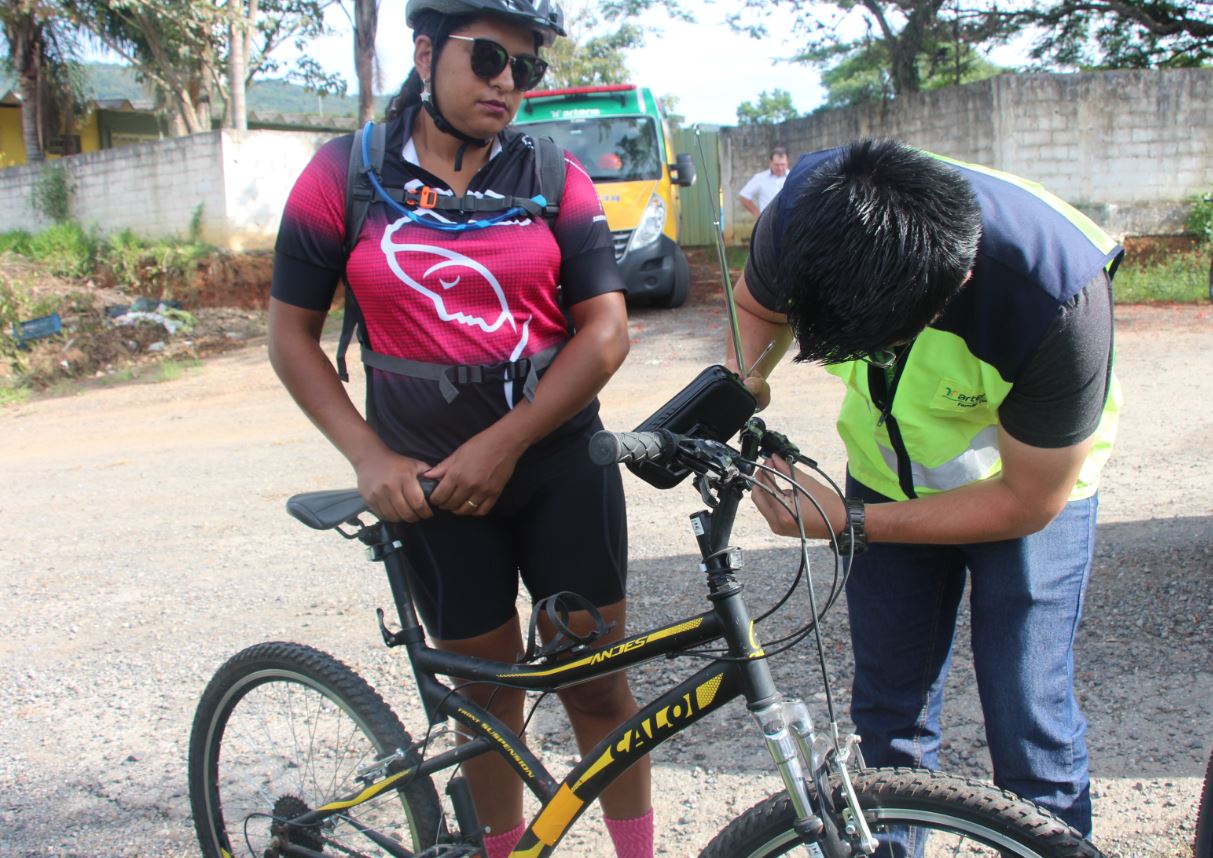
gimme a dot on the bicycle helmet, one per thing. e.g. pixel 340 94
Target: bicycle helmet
pixel 543 16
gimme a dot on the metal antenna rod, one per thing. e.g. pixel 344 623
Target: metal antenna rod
pixel 717 221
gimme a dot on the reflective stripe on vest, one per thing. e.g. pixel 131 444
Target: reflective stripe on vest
pixel 946 408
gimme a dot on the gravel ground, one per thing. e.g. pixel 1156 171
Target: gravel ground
pixel 148 542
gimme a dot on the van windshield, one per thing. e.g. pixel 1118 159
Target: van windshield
pixel 611 148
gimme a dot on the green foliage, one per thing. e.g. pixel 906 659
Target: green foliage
pixel 51 195
pixel 195 232
pixel 771 108
pixel 888 47
pixel 594 53
pixel 268 95
pixel 17 242
pixel 863 75
pixel 314 79
pixel 149 266
pixel 14 298
pixel 13 396
pixel 140 265
pixel 66 249
pixel 1200 219
pixel 1178 277
pixel 1118 34
pixel 183 50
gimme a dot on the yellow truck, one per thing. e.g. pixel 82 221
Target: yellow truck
pixel 619 134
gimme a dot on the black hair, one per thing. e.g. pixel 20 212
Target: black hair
pixel 876 243
pixel 779 150
pixel 438 28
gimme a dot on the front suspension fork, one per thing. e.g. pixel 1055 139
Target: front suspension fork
pixel 788 732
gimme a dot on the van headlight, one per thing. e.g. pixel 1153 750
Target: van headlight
pixel 651 224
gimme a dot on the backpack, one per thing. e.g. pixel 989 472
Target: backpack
pixel 362 188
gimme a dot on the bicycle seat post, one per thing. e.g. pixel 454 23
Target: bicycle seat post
pixel 386 547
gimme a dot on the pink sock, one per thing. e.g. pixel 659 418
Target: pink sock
pixel 633 838
pixel 501 845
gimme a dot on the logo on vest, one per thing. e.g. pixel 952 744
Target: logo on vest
pixel 950 396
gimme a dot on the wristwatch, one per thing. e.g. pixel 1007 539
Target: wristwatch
pixel 854 532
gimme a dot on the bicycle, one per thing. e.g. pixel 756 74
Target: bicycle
pixel 1202 846
pixel 293 754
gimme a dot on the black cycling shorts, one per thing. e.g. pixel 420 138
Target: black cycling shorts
pixel 560 525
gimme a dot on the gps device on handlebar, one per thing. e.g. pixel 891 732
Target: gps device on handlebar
pixel 714 406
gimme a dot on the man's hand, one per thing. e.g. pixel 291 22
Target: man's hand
pixel 780 519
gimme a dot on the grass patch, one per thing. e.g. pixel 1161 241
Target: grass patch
pixel 171 370
pixel 1181 278
pixel 13 396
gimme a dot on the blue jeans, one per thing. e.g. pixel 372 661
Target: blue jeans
pixel 1026 601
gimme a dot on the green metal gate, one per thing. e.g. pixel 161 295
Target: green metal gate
pixel 698 207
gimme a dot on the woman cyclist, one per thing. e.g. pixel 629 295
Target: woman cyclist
pixel 475 376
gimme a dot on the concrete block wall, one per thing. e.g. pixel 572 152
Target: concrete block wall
pixel 237 181
pixel 1128 148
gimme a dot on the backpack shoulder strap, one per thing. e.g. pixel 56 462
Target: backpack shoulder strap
pixel 358 191
pixel 358 198
pixel 549 165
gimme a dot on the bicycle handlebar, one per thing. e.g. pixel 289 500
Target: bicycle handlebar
pixel 618 448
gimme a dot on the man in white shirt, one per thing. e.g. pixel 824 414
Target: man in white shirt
pixel 762 188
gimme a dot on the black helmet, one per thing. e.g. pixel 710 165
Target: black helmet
pixel 543 16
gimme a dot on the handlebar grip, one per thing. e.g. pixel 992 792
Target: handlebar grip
pixel 610 448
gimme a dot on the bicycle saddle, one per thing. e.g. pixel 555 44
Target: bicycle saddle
pixel 328 509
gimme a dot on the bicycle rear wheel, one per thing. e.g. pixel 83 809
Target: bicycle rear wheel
pixel 282 729
pixel 904 807
pixel 1203 846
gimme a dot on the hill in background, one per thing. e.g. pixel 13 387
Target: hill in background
pixel 110 80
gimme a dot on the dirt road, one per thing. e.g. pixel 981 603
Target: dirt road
pixel 146 542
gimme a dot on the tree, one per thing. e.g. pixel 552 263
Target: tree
pixel 863 75
pixel 593 53
pixel 366 25
pixel 771 108
pixel 197 54
pixel 599 36
pixel 897 45
pixel 1108 34
pixel 41 53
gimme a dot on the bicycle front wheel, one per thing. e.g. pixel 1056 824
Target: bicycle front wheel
pixel 915 812
pixel 283 729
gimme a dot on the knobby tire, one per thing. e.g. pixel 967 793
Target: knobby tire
pixel 283 728
pixel 1203 845
pixel 965 817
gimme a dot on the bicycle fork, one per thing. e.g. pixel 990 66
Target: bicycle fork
pixel 788 732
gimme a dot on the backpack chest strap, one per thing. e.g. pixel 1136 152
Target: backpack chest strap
pixel 450 376
pixel 471 203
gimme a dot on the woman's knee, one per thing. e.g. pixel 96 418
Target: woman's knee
pixel 608 697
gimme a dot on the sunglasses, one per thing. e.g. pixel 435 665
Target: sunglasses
pixel 489 59
pixel 884 358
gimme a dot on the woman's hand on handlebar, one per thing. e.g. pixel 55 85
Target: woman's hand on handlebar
pixel 388 484
pixel 472 478
pixel 780 519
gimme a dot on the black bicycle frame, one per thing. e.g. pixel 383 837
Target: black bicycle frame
pixel 743 672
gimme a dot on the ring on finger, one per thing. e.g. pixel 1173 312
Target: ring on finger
pixel 472 503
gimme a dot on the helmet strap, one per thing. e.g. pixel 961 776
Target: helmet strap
pixel 441 123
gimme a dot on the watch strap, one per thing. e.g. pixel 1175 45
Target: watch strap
pixel 854 534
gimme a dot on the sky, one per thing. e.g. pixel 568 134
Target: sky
pixel 707 66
